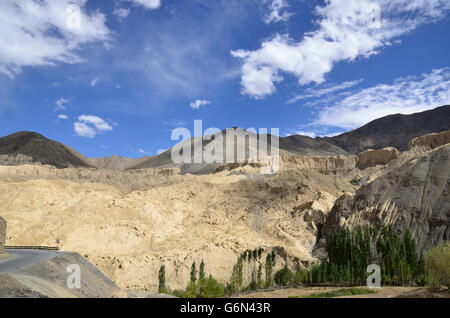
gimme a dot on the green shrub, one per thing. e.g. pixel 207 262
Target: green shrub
pixel 437 265
pixel 284 276
pixel 191 291
pixel 211 288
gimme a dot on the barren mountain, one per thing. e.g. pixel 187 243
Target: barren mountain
pixel 130 222
pixel 29 147
pixel 390 131
pixel 393 131
pixel 161 217
pixel 112 162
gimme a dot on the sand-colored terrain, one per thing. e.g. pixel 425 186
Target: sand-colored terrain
pixel 130 223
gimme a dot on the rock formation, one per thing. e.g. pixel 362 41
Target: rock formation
pixel 430 141
pixel 371 157
pixel 412 193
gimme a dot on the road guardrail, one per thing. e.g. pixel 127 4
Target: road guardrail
pixel 46 248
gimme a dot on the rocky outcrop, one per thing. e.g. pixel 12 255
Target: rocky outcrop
pixel 412 194
pixel 430 141
pixel 371 157
pixel 321 164
pixel 2 234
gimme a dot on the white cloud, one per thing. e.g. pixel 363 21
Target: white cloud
pixel 275 15
pixel 94 82
pixel 89 126
pixel 310 134
pixel 324 91
pixel 406 96
pixel 199 103
pixel 62 116
pixel 46 32
pixel 160 151
pixel 147 4
pixel 347 29
pixel 144 152
pixel 121 13
pixel 61 104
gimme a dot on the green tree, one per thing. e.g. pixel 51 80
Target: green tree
pixel 237 279
pixel 202 270
pixel 268 267
pixel 260 250
pixel 162 280
pixel 193 273
pixel 259 281
pixel 412 259
pixel 437 265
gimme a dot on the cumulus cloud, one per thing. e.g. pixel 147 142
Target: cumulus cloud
pixel 61 104
pixel 46 32
pixel 275 15
pixel 347 29
pixel 199 103
pixel 147 4
pixel 406 96
pixel 62 116
pixel 89 126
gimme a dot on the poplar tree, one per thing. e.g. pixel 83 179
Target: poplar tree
pixel 162 279
pixel 193 273
pixel 202 270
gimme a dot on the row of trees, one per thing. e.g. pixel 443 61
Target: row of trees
pixel 204 287
pixel 252 260
pixel 351 252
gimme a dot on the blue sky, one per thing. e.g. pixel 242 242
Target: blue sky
pixel 130 71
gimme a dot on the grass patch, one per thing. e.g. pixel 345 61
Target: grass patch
pixel 339 292
pixel 355 181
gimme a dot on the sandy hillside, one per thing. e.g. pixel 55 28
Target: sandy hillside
pixel 129 223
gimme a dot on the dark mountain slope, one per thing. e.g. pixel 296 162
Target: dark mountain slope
pixel 30 147
pixel 394 130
